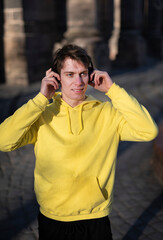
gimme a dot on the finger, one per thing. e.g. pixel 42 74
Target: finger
pixel 53 81
pixel 53 74
pixel 56 75
pixel 96 79
pixel 100 78
pixel 48 71
pixel 50 74
pixel 92 76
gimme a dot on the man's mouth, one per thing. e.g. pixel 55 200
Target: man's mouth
pixel 78 90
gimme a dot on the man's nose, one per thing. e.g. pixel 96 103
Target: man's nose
pixel 78 80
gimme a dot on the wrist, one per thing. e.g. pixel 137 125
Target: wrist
pixel 109 86
pixel 45 93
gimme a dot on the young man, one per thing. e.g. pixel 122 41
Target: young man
pixel 76 139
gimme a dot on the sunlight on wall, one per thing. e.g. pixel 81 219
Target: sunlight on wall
pixel 113 42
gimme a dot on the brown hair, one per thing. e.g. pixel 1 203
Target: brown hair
pixel 70 51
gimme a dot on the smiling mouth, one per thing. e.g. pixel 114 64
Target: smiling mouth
pixel 78 90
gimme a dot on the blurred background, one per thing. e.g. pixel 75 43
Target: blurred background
pixel 124 38
pixel 115 33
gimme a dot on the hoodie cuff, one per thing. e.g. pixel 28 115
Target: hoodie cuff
pixel 114 87
pixel 41 101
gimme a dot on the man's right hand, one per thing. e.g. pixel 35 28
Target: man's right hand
pixel 49 84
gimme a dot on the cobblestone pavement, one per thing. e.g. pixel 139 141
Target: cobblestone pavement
pixel 137 209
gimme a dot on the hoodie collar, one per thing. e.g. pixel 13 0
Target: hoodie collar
pixel 74 114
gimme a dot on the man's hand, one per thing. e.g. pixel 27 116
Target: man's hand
pixel 101 81
pixel 49 84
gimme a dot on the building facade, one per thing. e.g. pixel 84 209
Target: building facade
pixel 31 31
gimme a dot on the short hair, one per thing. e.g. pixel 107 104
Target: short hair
pixel 70 51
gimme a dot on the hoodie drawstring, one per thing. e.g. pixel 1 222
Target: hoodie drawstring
pixel 74 116
pixel 80 120
pixel 69 121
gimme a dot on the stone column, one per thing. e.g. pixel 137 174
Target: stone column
pixel 14 43
pixel 155 28
pixel 43 27
pixel 2 75
pixel 105 12
pixel 83 29
pixel 131 46
pixel 60 19
pixel 113 41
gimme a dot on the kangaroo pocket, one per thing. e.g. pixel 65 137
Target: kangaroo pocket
pixel 72 196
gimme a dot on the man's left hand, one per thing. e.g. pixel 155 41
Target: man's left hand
pixel 101 81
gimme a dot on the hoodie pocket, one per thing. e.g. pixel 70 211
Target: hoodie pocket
pixel 80 195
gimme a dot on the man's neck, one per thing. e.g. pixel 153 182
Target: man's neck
pixel 73 102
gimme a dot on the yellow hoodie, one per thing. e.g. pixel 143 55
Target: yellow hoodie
pixel 76 149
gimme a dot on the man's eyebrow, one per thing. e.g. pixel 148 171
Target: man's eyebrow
pixel 68 72
pixel 86 70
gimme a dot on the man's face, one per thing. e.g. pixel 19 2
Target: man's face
pixel 74 81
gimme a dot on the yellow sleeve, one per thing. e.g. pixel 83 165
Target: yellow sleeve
pixel 135 123
pixel 21 128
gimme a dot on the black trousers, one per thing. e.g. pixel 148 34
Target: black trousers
pixel 91 229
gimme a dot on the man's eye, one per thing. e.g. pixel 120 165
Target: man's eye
pixel 85 74
pixel 69 74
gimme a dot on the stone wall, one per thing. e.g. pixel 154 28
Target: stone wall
pixel 45 23
pixel 30 31
pixel 89 24
pixel 15 65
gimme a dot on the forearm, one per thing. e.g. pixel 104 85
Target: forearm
pixel 136 124
pixel 16 131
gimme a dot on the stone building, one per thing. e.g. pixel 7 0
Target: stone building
pixel 120 31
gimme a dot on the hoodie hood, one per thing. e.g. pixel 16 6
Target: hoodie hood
pixel 74 115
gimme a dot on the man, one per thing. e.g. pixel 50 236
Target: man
pixel 76 139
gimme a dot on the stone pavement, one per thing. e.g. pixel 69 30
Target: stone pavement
pixel 138 197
